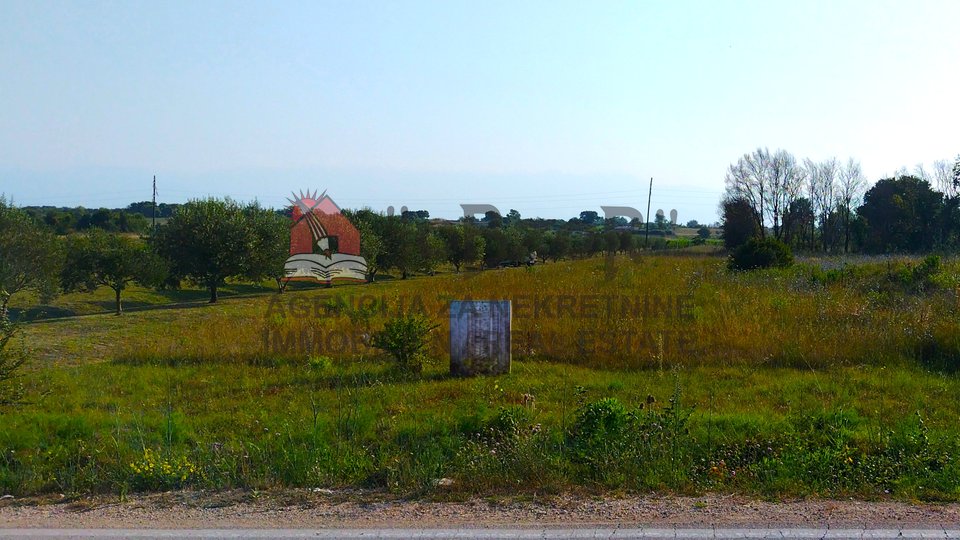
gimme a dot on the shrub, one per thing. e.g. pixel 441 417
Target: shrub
pixel 757 253
pixel 404 338
pixel 924 274
pixel 599 434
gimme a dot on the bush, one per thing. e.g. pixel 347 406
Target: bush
pixel 599 436
pixel 924 275
pixel 405 339
pixel 757 253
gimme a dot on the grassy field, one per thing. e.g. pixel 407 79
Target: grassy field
pixel 663 372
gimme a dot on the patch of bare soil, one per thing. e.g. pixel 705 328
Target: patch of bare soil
pixel 324 508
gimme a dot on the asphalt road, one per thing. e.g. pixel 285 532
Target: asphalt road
pixel 489 534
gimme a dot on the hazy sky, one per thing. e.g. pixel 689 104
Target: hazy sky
pixel 546 107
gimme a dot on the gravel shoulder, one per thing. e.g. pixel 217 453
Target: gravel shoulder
pixel 309 509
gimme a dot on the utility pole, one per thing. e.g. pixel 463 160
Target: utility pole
pixel 154 203
pixel 646 237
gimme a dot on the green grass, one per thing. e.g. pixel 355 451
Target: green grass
pixel 796 384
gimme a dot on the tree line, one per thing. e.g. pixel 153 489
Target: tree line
pixel 827 206
pixel 212 241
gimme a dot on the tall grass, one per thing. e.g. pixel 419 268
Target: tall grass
pixel 791 382
pixel 650 312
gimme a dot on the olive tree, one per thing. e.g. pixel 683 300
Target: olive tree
pixel 100 259
pixel 30 256
pixel 10 363
pixel 207 241
pixel 270 245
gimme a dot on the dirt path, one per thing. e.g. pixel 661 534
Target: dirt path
pixel 306 509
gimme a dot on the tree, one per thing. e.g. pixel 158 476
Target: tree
pixel 768 182
pixel 502 245
pixel 271 245
pixel 399 245
pixel 747 182
pixel 432 250
pixel 786 182
pixel 956 174
pixel 368 224
pixel 627 243
pixel 798 220
pixel 493 219
pixel 611 242
pixel 851 188
pixel 415 215
pixel 11 362
pixel 703 232
pixel 590 217
pixel 207 241
pixel 99 258
pixel 739 222
pixel 558 245
pixel 30 256
pixel 533 241
pixel 661 221
pixel 943 176
pixel 900 214
pixel 822 188
pixel 692 224
pixel 464 244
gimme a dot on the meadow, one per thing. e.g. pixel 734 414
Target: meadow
pixel 655 372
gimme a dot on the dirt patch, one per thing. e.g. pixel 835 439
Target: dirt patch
pixel 320 509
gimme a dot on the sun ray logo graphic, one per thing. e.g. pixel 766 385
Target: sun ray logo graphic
pixel 324 245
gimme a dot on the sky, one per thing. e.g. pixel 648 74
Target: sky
pixel 546 107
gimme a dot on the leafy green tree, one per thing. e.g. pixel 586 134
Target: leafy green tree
pixel 503 245
pixel 533 241
pixel 432 250
pixel 596 244
pixel 799 223
pixel 99 258
pixel 578 245
pixel 368 224
pixel 464 244
pixel 30 256
pixel 611 242
pixel 627 242
pixel 703 233
pixel 207 241
pixel 271 245
pixel 399 245
pixel 661 222
pixel 590 217
pixel 901 215
pixel 740 222
pixel 558 245
pixel 496 247
pixel 493 220
pixel 415 215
